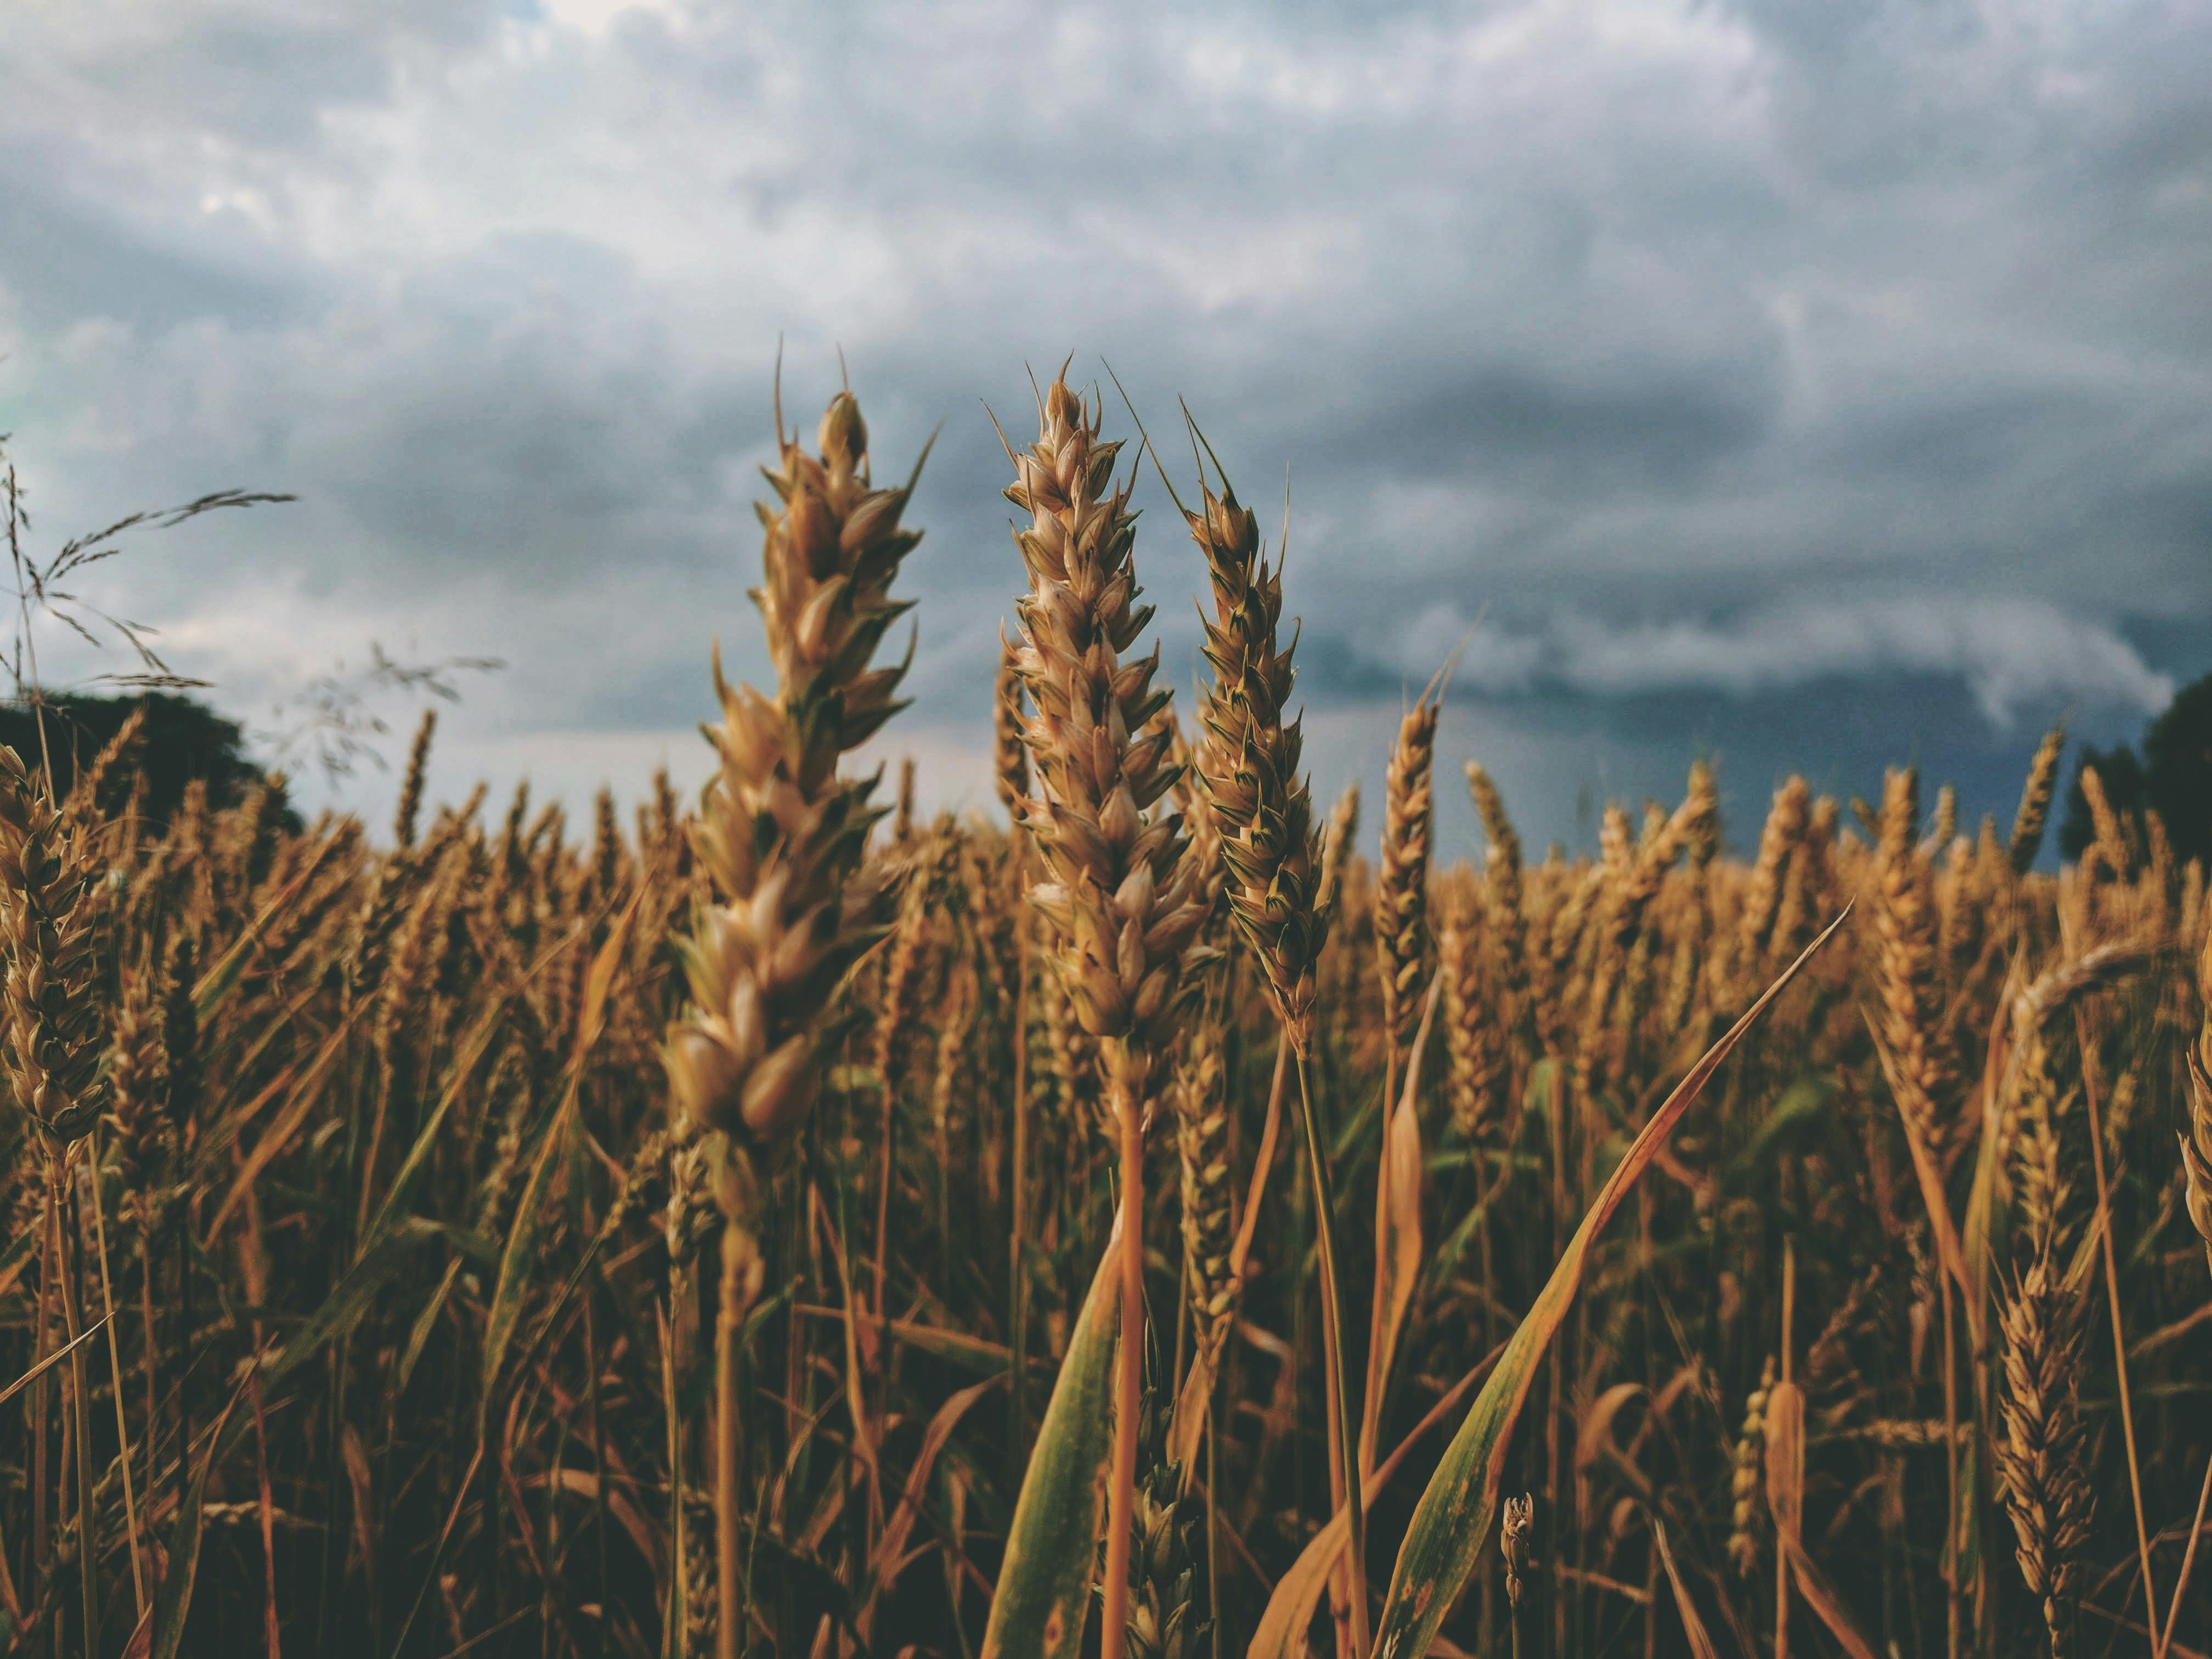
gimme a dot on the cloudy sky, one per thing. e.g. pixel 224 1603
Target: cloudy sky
pixel 1803 383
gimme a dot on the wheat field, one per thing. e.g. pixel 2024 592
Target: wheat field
pixel 1179 1218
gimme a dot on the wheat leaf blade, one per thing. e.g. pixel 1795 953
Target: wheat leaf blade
pixel 1044 1583
pixel 1453 1518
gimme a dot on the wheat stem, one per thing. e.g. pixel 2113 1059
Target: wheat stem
pixel 1344 1432
pixel 729 1324
pixel 1017 1180
pixel 2103 1224
pixel 115 1368
pixel 80 1415
pixel 1128 1377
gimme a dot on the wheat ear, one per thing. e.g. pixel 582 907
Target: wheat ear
pixel 1911 998
pixel 2041 1453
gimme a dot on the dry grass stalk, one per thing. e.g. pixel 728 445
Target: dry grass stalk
pixel 1119 901
pixel 2040 1187
pixel 1945 829
pixel 607 850
pixel 1336 846
pixel 52 1054
pixel 1282 883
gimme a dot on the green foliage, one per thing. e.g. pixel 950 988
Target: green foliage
pixel 182 741
pixel 2171 777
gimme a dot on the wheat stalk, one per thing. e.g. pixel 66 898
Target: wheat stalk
pixel 781 837
pixel 1122 900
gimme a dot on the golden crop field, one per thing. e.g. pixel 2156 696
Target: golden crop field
pixel 1191 1222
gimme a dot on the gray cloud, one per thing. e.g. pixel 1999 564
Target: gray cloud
pixel 1698 357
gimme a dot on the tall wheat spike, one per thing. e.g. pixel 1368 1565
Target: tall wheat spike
pixel 2041 1458
pixel 1282 885
pixel 1202 1124
pixel 410 788
pixel 53 1050
pixel 1911 996
pixel 1121 900
pixel 781 836
pixel 1250 763
pixel 1401 886
pixel 2197 1142
pixel 1473 1038
pixel 52 1053
pixel 2035 798
pixel 1777 840
pixel 1504 913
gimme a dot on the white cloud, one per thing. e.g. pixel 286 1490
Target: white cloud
pixel 1488 656
pixel 2008 652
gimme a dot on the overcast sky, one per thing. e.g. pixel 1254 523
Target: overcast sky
pixel 1806 384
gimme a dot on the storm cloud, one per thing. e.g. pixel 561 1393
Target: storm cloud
pixel 1809 386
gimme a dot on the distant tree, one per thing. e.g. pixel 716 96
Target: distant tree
pixel 2173 777
pixel 183 739
pixel 2177 761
